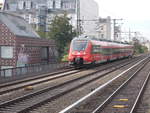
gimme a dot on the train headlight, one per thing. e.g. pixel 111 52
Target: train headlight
pixel 84 53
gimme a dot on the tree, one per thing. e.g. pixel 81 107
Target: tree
pixel 139 48
pixel 41 31
pixel 62 32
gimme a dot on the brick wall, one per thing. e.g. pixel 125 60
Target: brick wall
pixel 28 46
pixel 7 39
pixel 33 46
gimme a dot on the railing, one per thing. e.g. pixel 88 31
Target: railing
pixel 21 72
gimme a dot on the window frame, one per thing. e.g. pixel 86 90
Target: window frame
pixel 10 56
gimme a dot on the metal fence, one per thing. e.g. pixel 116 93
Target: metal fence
pixel 22 72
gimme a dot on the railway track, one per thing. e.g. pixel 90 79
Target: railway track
pixel 119 95
pixel 35 99
pixel 128 94
pixel 33 78
pixel 35 81
pixel 13 86
pixel 143 103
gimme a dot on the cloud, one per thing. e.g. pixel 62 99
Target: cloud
pixel 130 9
pixel 134 12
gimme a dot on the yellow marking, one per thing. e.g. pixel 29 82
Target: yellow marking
pixel 119 106
pixel 123 99
pixel 29 88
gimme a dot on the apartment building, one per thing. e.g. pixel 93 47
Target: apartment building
pixel 39 13
pixel 104 28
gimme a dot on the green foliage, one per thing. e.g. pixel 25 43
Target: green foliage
pixel 140 48
pixel 62 32
pixel 41 31
pixel 145 49
pixel 65 54
pixel 65 58
pixel 42 34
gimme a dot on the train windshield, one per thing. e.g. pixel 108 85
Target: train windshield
pixel 79 45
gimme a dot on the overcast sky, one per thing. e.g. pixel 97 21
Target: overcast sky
pixel 135 13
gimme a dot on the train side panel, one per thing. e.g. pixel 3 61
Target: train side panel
pixel 84 51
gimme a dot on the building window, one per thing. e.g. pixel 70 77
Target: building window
pixel 28 4
pixel 6 52
pixel 7 6
pixel 12 7
pixel 58 4
pixel 54 4
pixel 24 5
pixel 20 4
pixel 102 28
pixel 50 4
pixel 68 5
pixel 31 4
pixel 102 35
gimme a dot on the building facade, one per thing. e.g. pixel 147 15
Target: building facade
pixel 39 13
pixel 147 44
pixel 104 28
pixel 1 6
pixel 20 45
pixel 89 14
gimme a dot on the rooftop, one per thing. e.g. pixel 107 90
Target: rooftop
pixel 17 25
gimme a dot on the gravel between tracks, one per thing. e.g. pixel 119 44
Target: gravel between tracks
pixel 21 92
pixel 36 87
pixel 64 101
pixel 129 91
pixel 144 103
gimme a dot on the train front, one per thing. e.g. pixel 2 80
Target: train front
pixel 79 52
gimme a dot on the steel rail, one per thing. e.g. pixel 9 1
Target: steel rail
pixel 32 78
pixel 2 105
pixel 7 90
pixel 99 88
pixel 100 107
pixel 37 77
pixel 140 93
pixel 65 92
pixel 38 82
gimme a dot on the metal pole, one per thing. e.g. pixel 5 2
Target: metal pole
pixel 115 32
pixel 114 29
pixel 129 35
pixel 78 16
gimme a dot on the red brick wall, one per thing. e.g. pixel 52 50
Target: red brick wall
pixel 7 39
pixel 32 47
pixel 27 45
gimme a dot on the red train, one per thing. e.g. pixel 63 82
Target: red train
pixel 85 50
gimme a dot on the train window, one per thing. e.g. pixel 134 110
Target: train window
pixel 96 49
pixel 106 51
pixel 79 45
pixel 114 51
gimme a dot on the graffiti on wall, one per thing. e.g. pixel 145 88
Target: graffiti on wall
pixel 22 58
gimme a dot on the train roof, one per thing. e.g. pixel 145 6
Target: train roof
pixel 104 42
pixel 98 39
